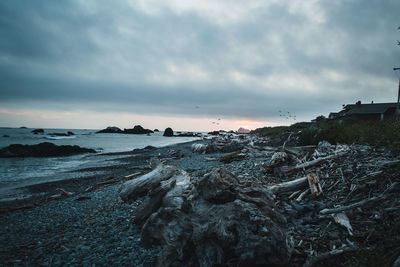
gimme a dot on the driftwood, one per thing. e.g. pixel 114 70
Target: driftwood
pixel 394 188
pixel 199 148
pixel 302 195
pixel 142 185
pixel 324 256
pixel 231 157
pixel 65 193
pixel 310 164
pixel 208 220
pixel 278 158
pixel 354 205
pixel 342 219
pixel 315 186
pixel 289 186
pixel 112 181
pixel 133 175
pixel 140 168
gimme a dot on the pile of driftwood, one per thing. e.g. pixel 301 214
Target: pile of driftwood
pixel 340 201
pixel 311 205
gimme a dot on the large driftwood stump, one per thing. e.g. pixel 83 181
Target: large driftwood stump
pixel 214 219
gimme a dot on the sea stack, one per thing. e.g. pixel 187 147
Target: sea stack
pixel 168 132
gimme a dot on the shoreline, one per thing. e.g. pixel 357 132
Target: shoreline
pixel 96 227
pixel 31 194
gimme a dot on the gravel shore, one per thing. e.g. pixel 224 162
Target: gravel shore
pixel 95 227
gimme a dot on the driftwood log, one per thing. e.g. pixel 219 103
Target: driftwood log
pixel 209 220
pixel 394 188
pixel 311 163
pixel 289 186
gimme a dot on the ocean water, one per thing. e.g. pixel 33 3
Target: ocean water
pixel 20 171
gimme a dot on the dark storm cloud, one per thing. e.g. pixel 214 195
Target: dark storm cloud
pixel 167 58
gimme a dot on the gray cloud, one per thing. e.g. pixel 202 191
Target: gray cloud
pixel 155 58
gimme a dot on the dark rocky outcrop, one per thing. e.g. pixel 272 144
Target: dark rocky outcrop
pixel 188 134
pixel 62 134
pixel 38 131
pixel 137 130
pixel 111 129
pixel 168 132
pixel 42 150
pixel 213 133
pixel 209 220
pixel 156 130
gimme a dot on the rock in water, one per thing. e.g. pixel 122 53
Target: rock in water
pixel 61 134
pixel 38 131
pixel 137 130
pixel 168 132
pixel 208 220
pixel 42 150
pixel 110 129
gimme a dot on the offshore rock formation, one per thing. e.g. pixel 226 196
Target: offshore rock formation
pixel 168 132
pixel 38 131
pixel 137 129
pixel 42 150
pixel 111 129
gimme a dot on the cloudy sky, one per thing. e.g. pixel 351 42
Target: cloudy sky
pixel 186 64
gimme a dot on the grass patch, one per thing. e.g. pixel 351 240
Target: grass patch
pixel 344 131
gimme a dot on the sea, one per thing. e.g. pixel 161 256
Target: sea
pixel 18 172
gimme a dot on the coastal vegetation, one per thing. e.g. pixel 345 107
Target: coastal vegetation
pixel 341 130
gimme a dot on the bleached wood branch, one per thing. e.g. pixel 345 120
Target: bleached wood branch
pixel 289 186
pixel 353 206
pixel 312 163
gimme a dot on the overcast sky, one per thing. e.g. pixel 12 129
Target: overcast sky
pixel 186 64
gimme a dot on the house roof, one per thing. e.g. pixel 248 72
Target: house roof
pixel 378 108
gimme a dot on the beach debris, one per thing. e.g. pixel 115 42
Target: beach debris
pixel 302 195
pixel 210 159
pixel 65 193
pixel 208 220
pixel 289 186
pixel 312 260
pixel 309 164
pixel 342 219
pixel 201 148
pixel 232 157
pixel 142 185
pixel 278 158
pixel 315 186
